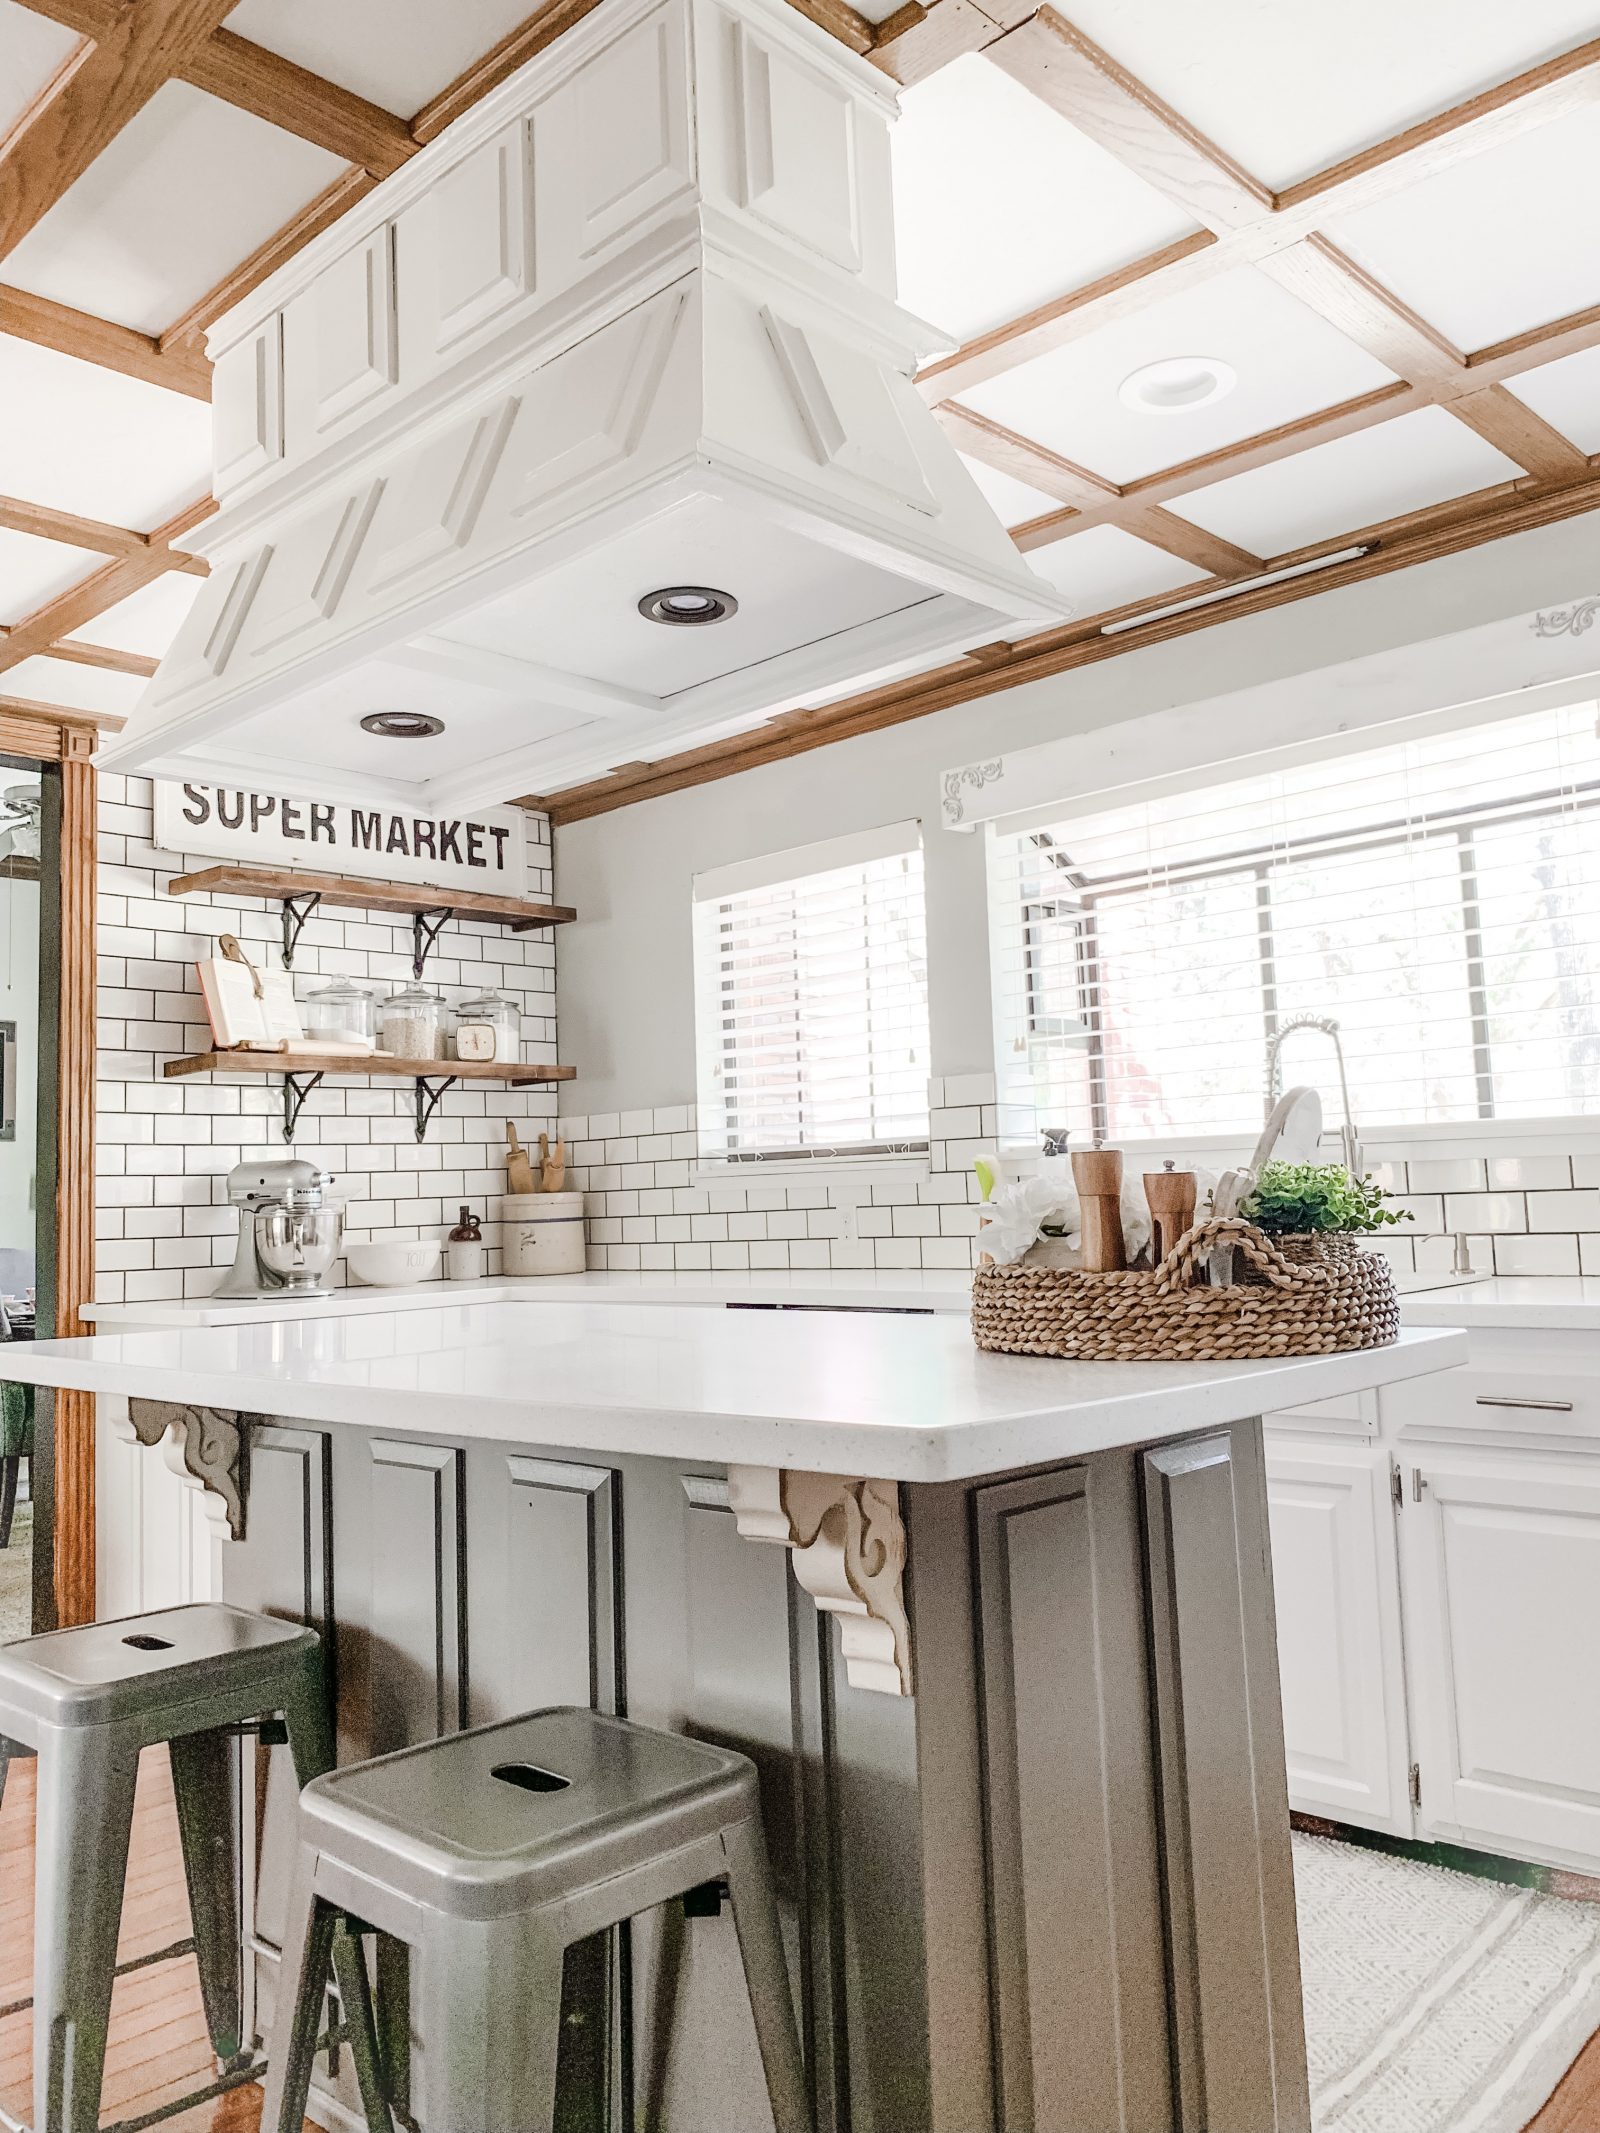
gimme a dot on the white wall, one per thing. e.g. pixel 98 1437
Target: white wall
pixel 625 969
pixel 19 1003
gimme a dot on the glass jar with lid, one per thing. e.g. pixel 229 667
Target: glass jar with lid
pixel 415 1024
pixel 488 1026
pixel 343 1013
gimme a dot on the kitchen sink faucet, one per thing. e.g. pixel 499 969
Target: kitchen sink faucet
pixel 1354 1158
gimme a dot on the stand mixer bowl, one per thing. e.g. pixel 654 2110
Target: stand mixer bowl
pixel 296 1245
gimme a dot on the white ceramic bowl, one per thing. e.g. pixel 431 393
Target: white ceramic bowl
pixel 395 1261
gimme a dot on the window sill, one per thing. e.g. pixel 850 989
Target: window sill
pixel 823 1170
pixel 1382 1144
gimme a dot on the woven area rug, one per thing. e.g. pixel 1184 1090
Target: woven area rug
pixel 1436 2002
pixel 16 1578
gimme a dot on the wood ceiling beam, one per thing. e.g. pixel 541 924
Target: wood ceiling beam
pixel 1058 651
pixel 291 97
pixel 78 653
pixel 1326 281
pixel 1082 83
pixel 248 76
pixel 27 317
pixel 1086 86
pixel 95 93
pixel 72 610
pixel 91 533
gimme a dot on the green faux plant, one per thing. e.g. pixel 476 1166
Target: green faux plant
pixel 1317 1198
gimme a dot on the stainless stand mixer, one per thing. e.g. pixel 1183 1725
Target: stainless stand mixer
pixel 288 1234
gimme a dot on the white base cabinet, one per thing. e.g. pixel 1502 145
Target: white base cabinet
pixel 1436 1563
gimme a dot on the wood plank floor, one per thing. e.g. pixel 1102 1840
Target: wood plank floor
pixel 158 2048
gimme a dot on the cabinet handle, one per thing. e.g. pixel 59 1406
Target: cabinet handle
pixel 1546 1407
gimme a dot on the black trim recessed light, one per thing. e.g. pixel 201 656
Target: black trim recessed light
pixel 685 606
pixel 402 725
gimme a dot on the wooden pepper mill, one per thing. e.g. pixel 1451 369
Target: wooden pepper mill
pixel 1171 1196
pixel 1097 1173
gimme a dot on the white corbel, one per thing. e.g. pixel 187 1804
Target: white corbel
pixel 848 1547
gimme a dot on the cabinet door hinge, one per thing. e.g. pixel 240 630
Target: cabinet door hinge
pixel 1397 1487
pixel 1414 1784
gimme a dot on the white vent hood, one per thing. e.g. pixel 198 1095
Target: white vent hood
pixel 628 324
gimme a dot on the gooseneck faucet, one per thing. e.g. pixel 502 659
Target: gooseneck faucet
pixel 1354 1157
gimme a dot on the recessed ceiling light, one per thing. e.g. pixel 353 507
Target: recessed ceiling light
pixel 1177 384
pixel 402 725
pixel 688 605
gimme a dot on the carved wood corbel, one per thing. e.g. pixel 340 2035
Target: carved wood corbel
pixel 848 1547
pixel 209 1444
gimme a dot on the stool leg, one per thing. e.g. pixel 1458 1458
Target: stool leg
pixel 355 1998
pixel 203 1780
pixel 310 1722
pixel 302 1981
pixel 490 2021
pixel 766 1971
pixel 85 1815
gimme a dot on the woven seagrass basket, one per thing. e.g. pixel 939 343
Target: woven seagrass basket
pixel 1310 1295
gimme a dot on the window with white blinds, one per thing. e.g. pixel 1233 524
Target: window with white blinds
pixel 1440 896
pixel 811 989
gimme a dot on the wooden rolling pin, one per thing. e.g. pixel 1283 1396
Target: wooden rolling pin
pixel 1171 1196
pixel 519 1169
pixel 1097 1173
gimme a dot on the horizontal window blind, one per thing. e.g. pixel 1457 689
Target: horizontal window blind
pixel 1440 896
pixel 811 997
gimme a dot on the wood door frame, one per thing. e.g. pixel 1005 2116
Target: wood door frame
pixel 64 1552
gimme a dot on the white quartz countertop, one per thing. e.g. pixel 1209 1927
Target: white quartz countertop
pixel 1554 1303
pixel 859 1289
pixel 901 1398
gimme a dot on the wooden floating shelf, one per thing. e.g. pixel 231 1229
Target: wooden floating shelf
pixel 313 1062
pixel 348 891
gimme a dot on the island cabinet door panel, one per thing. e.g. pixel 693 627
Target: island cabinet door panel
pixel 1238 2034
pixel 400 1507
pixel 544 1568
pixel 1074 1886
pixel 1501 1556
pixel 1336 1576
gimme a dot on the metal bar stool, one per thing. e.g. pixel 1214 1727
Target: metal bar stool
pixel 86 1701
pixel 489 1854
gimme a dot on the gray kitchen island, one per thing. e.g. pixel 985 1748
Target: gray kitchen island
pixel 998 1632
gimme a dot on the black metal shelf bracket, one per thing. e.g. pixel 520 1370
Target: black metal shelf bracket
pixel 296 910
pixel 426 927
pixel 296 1088
pixel 428 1095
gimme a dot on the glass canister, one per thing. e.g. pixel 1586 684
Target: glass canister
pixel 488 1027
pixel 343 1013
pixel 415 1024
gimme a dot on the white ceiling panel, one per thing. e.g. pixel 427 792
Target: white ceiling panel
pixel 182 194
pixel 148 620
pixel 1011 501
pixel 1106 567
pixel 1289 86
pixel 1508 240
pixel 34 571
pixel 365 45
pixel 1001 205
pixel 31 50
pixel 91 441
pixel 1567 395
pixel 74 686
pixel 1376 474
pixel 1289 363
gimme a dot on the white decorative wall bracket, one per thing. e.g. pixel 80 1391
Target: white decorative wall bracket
pixel 849 1553
pixel 209 1445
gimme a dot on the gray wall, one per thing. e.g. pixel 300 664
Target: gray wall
pixel 625 969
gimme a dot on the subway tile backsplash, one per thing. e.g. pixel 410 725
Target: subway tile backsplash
pixel 164 1148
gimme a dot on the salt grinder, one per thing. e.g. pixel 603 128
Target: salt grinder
pixel 1171 1196
pixel 1097 1173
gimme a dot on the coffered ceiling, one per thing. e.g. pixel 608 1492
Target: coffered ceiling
pixel 1239 287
